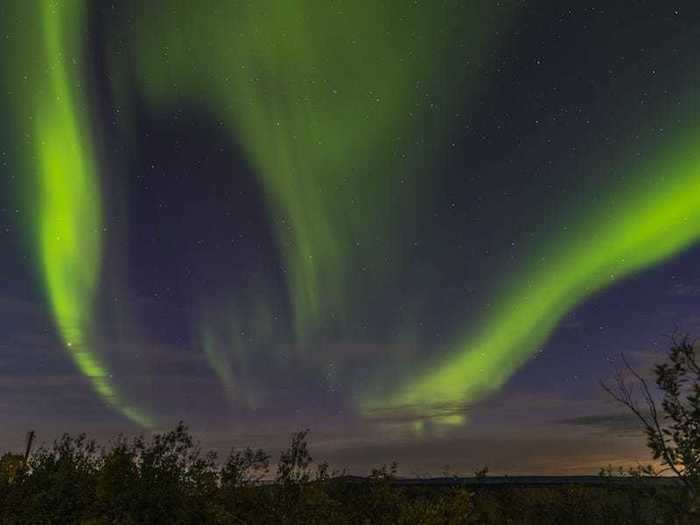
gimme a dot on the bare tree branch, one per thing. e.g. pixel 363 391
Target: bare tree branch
pixel 663 447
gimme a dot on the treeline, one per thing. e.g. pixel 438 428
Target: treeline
pixel 170 480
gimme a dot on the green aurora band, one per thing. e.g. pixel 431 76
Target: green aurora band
pixel 67 194
pixel 324 97
pixel 70 220
pixel 322 114
pixel 228 338
pixel 630 230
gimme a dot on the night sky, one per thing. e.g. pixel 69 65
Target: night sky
pixel 423 230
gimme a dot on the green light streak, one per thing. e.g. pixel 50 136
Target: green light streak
pixel 323 97
pixel 636 228
pixel 67 200
pixel 226 354
pixel 69 204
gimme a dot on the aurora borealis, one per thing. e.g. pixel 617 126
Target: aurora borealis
pixel 377 214
pixel 625 241
pixel 64 179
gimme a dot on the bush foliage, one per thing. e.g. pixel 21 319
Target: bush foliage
pixel 170 480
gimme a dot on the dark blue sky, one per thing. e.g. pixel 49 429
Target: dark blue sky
pixel 188 220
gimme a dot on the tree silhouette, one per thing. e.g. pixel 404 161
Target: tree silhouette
pixel 671 424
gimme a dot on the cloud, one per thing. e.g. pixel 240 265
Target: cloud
pixel 620 423
pixel 686 289
pixel 418 413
